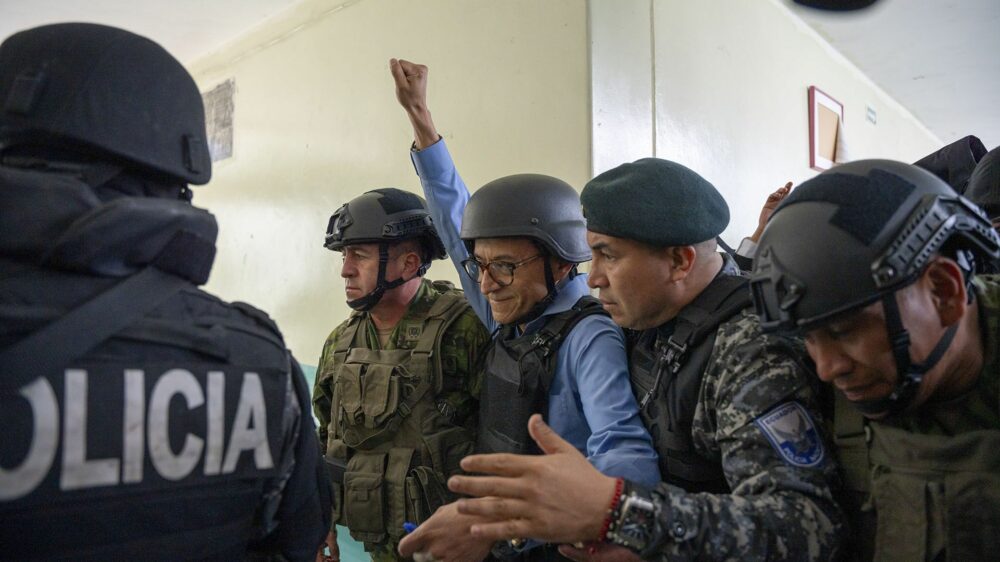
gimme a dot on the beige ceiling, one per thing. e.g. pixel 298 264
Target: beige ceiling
pixel 938 58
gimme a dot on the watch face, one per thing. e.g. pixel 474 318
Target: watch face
pixel 636 524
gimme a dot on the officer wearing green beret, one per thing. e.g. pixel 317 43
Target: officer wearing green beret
pixel 733 413
pixel 397 382
pixel 908 335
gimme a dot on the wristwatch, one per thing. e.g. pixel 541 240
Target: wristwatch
pixel 637 524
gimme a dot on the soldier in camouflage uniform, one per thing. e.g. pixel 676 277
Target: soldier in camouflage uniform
pixel 397 383
pixel 733 413
pixel 908 336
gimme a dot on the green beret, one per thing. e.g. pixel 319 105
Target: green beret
pixel 654 201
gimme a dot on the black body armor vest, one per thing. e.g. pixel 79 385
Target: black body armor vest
pixel 517 377
pixel 666 379
pixel 143 418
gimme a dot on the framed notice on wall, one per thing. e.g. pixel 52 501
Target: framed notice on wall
pixel 825 117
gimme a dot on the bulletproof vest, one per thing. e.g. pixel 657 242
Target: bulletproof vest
pixel 917 496
pixel 176 413
pixel 517 377
pixel 400 446
pixel 166 438
pixel 666 379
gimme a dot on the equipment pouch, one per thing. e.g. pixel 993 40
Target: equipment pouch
pixel 447 448
pixel 347 387
pixel 364 497
pixel 425 492
pixel 380 394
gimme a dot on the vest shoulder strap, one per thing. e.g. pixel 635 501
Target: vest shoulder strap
pixel 551 336
pixel 64 340
pixel 442 314
pixel 851 435
pixel 724 297
pixel 343 344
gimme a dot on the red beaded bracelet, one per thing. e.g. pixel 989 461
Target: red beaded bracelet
pixel 610 517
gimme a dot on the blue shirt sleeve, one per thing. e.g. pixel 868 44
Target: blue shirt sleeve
pixel 593 356
pixel 447 196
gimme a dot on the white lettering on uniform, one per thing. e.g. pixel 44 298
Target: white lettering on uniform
pixel 134 418
pixel 142 430
pixel 251 410
pixel 169 465
pixel 216 421
pixel 78 472
pixel 21 480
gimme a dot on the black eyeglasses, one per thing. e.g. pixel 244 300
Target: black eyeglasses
pixel 501 271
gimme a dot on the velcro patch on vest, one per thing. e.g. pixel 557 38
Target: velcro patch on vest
pixel 793 434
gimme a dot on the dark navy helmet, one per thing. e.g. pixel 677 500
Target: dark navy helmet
pixel 106 92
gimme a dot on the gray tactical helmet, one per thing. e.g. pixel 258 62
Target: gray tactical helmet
pixel 855 235
pixel 105 91
pixel 384 216
pixel 543 208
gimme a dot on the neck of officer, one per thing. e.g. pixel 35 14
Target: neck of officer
pixel 961 366
pixel 394 304
pixel 706 266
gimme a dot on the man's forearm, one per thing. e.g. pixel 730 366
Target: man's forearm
pixel 424 132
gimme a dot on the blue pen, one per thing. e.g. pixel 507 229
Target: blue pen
pixel 409 527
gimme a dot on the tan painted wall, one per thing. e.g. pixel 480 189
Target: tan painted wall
pixel 316 123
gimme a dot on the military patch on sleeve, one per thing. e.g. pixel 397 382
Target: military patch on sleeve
pixel 793 434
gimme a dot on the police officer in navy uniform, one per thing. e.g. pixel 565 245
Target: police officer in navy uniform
pixel 143 418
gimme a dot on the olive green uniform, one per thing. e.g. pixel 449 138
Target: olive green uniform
pixel 398 455
pixel 928 481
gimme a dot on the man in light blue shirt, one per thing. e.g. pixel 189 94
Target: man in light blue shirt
pixel 516 252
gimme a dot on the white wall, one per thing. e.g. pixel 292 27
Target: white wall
pixel 721 87
pixel 317 123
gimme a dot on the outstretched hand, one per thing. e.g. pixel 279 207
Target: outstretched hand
pixel 411 92
pixel 556 497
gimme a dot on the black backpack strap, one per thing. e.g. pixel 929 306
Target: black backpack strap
pixel 554 332
pixel 66 339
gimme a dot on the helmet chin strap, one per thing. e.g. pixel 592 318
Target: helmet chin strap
pixel 368 302
pixel 539 308
pixel 909 375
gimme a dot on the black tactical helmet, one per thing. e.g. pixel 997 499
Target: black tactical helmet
pixel 384 216
pixel 543 208
pixel 856 234
pixel 102 89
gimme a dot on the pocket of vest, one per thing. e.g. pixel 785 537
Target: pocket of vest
pixel 425 492
pixel 900 503
pixel 380 394
pixel 347 385
pixel 364 497
pixel 446 448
